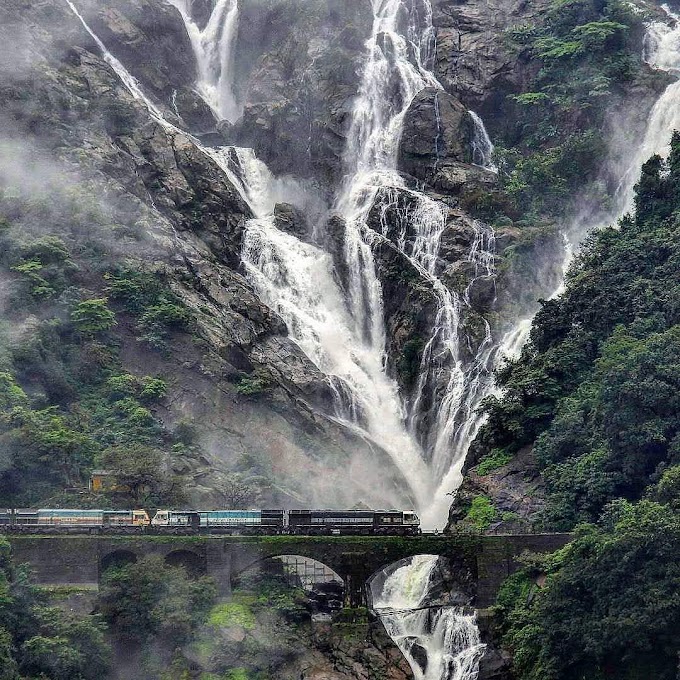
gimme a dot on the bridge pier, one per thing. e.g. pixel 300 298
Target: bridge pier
pixel 355 574
pixel 218 560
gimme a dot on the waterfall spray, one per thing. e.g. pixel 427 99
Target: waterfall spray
pixel 440 643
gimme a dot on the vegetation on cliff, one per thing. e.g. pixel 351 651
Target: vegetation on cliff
pixel 609 607
pixel 595 394
pixel 584 55
pixel 596 388
pixel 68 404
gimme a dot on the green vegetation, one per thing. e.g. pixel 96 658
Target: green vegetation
pixel 596 390
pixel 68 405
pixel 481 513
pixel 146 296
pixel 231 614
pixel 596 394
pixel 252 385
pixel 408 364
pixel 40 641
pixel 149 600
pixel 587 51
pixel 494 460
pixel 93 317
pixel 610 606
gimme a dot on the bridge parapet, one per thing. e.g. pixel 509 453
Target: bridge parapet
pixel 486 560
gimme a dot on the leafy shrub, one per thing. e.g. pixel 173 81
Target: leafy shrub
pixel 251 386
pixel 149 599
pixel 610 604
pixel 496 459
pixel 231 614
pixel 38 641
pixel 147 297
pixel 481 513
pixel 92 317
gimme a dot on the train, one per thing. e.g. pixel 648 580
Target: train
pixel 228 522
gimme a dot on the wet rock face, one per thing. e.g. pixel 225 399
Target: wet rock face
pixel 496 664
pixel 299 64
pixel 516 490
pixel 291 219
pixel 472 60
pixel 66 100
pixel 437 132
pixel 411 300
pixel 150 38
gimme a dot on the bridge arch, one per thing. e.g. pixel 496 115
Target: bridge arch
pixel 305 567
pixel 193 562
pixel 322 589
pixel 116 559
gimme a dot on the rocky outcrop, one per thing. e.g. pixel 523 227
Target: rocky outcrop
pixel 298 65
pixel 291 219
pixel 515 489
pixel 411 295
pixel 438 131
pixel 149 37
pixel 473 60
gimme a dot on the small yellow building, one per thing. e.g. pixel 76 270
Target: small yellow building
pixel 100 479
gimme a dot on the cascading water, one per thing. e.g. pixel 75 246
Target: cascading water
pixel 347 340
pixel 214 49
pixel 482 147
pixel 662 52
pixel 399 51
pixel 439 643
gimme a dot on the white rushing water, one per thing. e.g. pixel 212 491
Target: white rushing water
pixel 662 52
pixel 346 337
pixel 482 147
pixel 399 53
pixel 440 643
pixel 214 49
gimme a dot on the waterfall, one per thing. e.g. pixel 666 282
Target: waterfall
pixel 130 82
pixel 346 339
pixel 439 643
pixel 399 61
pixel 662 52
pixel 213 48
pixel 482 147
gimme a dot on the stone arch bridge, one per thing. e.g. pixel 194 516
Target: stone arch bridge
pixel 484 562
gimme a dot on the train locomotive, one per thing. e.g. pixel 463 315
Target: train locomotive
pixel 227 522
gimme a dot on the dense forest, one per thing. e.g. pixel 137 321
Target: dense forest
pixel 595 394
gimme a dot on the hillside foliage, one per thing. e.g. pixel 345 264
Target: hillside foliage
pixel 585 54
pixel 595 394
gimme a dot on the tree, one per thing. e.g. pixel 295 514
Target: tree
pixel 141 475
pixel 39 641
pixel 149 599
pixel 611 604
pixel 9 668
pixel 92 317
pixel 241 492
